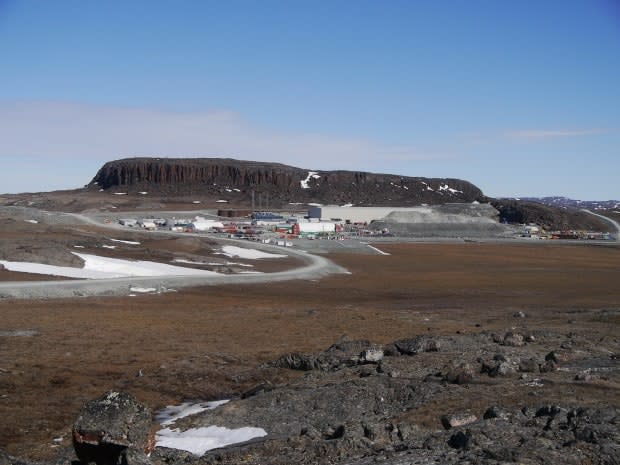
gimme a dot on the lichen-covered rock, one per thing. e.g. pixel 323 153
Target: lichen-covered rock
pixel 457 419
pixel 528 365
pixel 112 430
pixel 497 412
pixel 462 373
pixel 548 366
pixel 417 345
pixel 371 355
pixel 345 353
pixel 557 356
pixel 298 361
pixel 513 339
pixel 499 366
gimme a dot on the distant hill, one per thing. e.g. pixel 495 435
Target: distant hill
pixel 267 185
pixel 566 202
pixel 550 217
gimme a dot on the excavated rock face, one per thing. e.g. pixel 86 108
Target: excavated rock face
pixel 113 429
pixel 275 184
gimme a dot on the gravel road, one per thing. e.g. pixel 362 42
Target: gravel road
pixel 314 267
pixel 609 220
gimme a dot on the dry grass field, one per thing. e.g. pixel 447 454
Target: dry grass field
pixel 205 343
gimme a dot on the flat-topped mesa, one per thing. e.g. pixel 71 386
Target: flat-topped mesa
pixel 199 171
pixel 237 179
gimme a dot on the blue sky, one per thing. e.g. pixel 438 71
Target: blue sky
pixel 520 98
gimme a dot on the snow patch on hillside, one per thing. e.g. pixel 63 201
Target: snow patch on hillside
pixel 311 175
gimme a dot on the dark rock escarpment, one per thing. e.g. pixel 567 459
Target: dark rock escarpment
pixel 275 184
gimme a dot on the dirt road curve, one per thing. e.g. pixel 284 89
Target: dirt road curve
pixel 314 267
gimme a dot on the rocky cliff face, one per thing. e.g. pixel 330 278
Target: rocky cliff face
pixel 237 181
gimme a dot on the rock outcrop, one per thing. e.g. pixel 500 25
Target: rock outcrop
pixel 363 403
pixel 275 184
pixel 424 400
pixel 113 429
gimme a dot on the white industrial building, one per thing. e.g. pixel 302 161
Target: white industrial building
pixel 147 224
pixel 128 222
pixel 205 225
pixel 310 227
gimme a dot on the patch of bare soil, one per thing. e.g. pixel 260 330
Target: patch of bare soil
pixel 207 343
pixel 79 200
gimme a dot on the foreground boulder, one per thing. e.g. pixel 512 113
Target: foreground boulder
pixel 457 419
pixel 114 429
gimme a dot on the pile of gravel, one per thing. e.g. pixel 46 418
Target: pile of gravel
pixel 445 221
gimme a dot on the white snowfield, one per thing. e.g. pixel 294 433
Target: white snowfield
pixel 143 290
pixel 96 267
pixel 311 175
pixel 172 413
pixel 233 251
pixel 445 187
pixel 199 440
pixel 313 267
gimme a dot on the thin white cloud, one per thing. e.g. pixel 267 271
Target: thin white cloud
pixel 79 131
pixel 536 134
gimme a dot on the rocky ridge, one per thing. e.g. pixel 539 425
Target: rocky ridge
pixel 556 201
